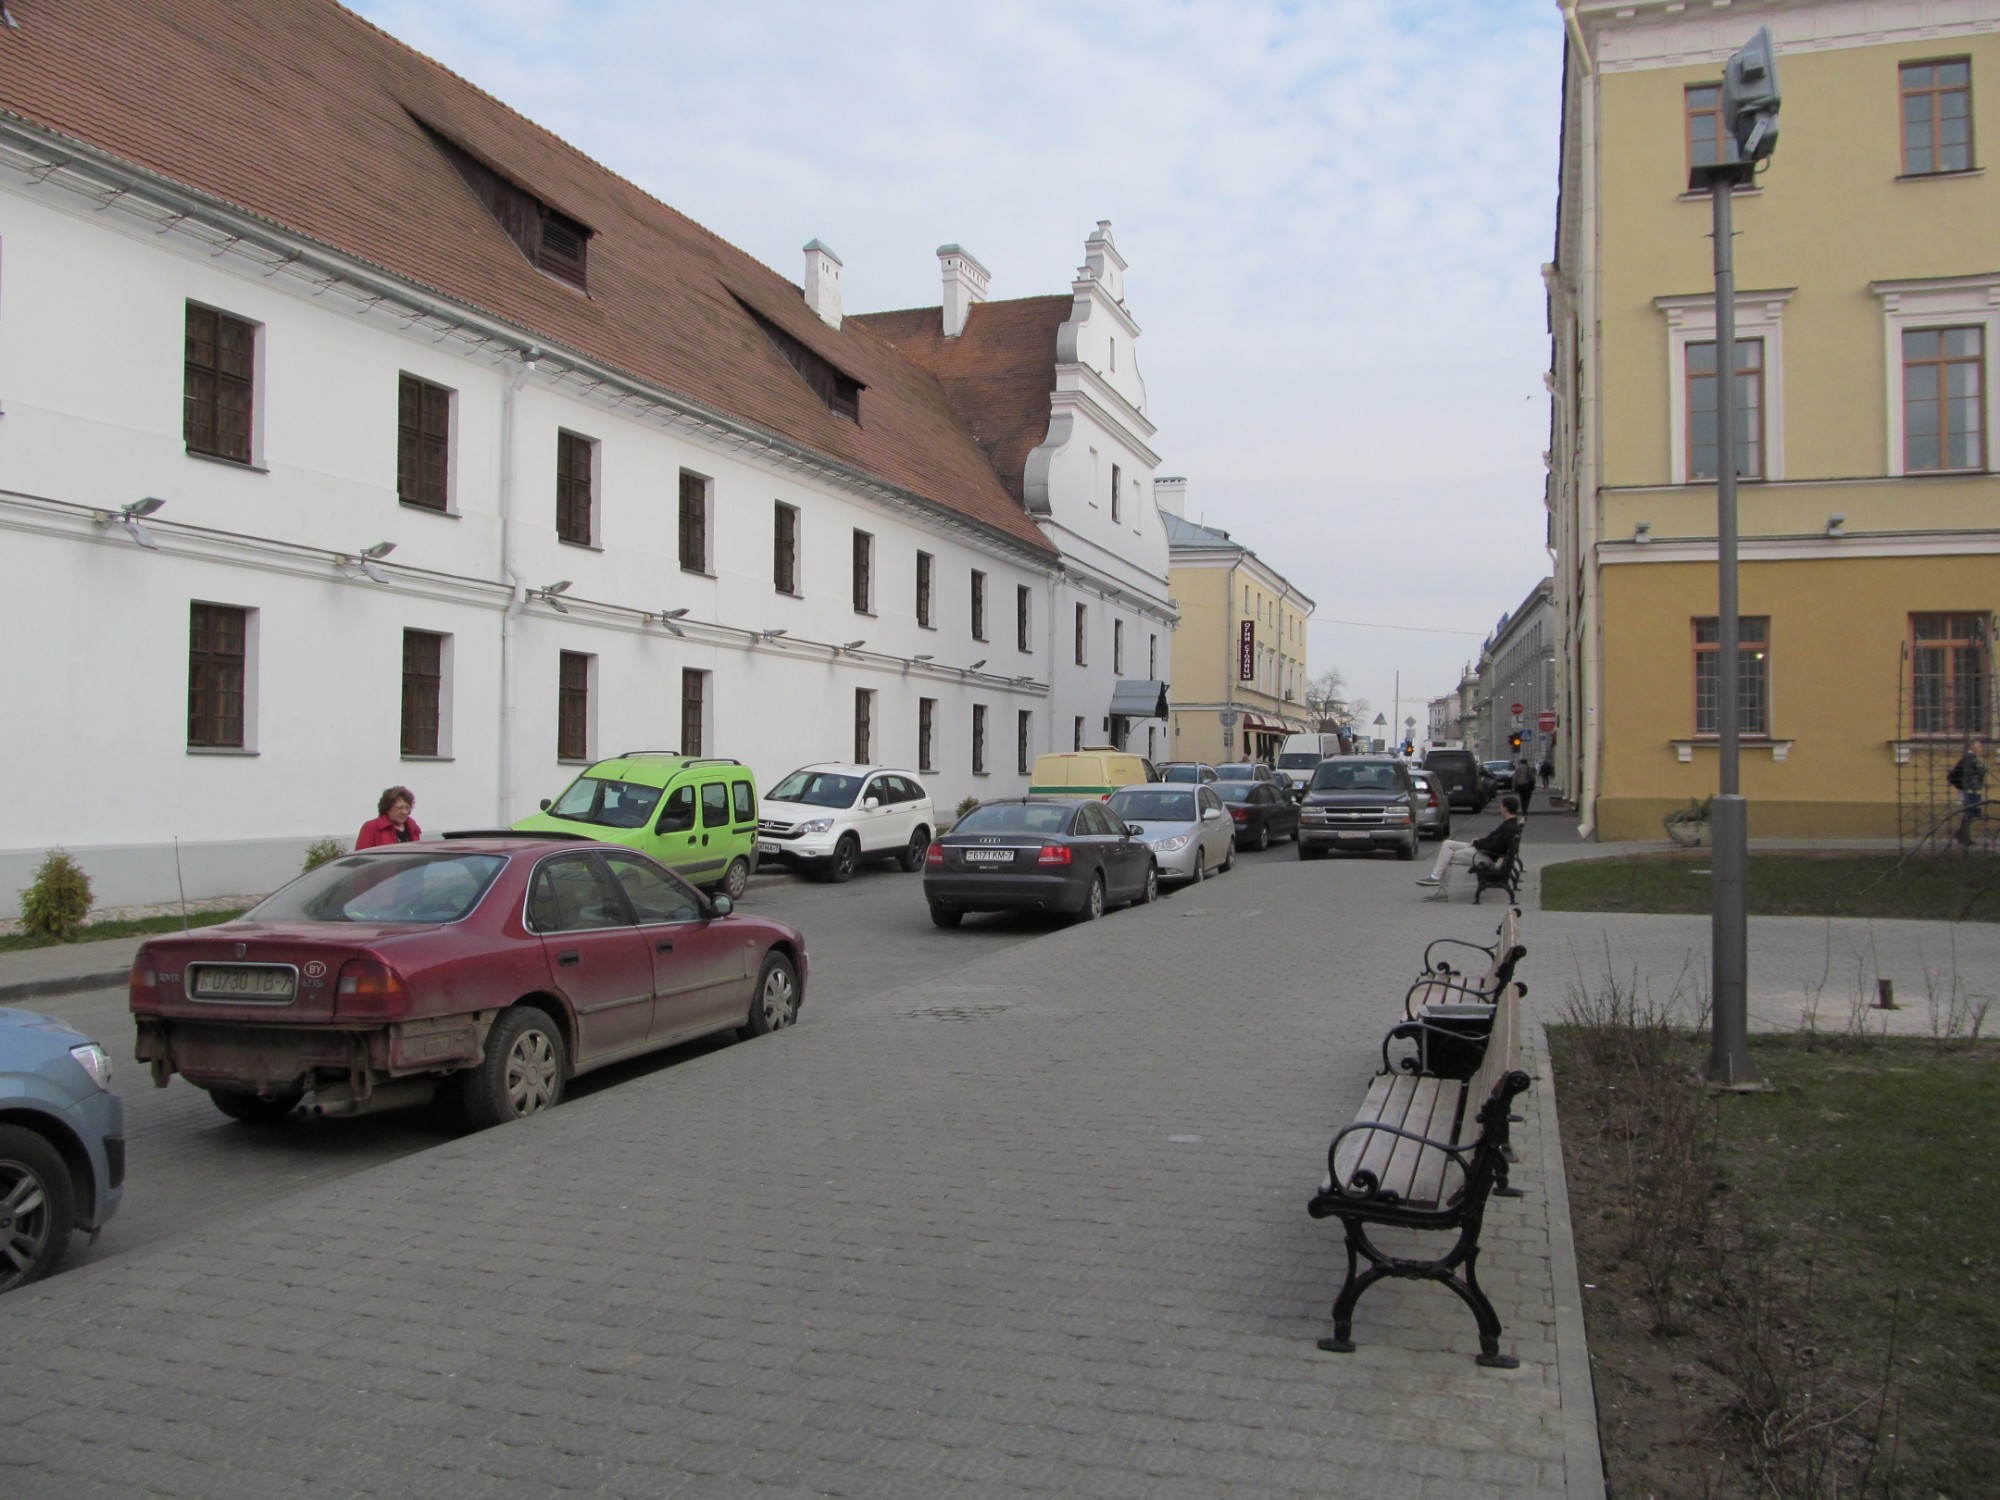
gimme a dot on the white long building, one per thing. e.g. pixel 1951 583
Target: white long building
pixel 355 431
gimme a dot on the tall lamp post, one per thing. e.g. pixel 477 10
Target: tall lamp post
pixel 1749 135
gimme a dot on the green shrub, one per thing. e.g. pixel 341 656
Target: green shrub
pixel 319 851
pixel 965 807
pixel 55 905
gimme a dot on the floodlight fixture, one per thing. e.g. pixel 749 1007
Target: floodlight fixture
pixel 923 656
pixel 977 665
pixel 667 618
pixel 674 614
pixel 1836 524
pixel 380 549
pixel 548 594
pixel 128 517
pixel 852 645
pixel 772 635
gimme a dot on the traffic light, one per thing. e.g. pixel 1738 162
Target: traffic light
pixel 1750 97
pixel 1514 742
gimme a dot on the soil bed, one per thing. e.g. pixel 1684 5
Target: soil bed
pixel 1794 1293
pixel 1951 887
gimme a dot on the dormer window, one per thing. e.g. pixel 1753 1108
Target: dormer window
pixel 840 391
pixel 552 240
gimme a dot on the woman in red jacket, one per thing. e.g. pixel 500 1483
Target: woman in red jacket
pixel 395 825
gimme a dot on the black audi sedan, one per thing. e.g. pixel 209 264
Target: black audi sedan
pixel 1075 858
pixel 1261 811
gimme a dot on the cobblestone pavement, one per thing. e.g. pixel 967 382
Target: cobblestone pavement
pixel 1036 1226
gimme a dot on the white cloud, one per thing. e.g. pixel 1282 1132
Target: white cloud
pixel 1335 211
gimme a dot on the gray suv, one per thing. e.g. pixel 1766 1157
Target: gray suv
pixel 62 1142
pixel 1359 802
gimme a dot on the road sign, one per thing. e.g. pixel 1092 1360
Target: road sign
pixel 1546 721
pixel 1517 710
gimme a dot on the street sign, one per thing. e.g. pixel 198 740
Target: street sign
pixel 1228 718
pixel 1517 710
pixel 1546 721
pixel 1246 652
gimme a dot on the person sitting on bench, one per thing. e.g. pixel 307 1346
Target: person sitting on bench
pixel 1494 846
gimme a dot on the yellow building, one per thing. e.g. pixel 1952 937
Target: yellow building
pixel 1240 648
pixel 1868 323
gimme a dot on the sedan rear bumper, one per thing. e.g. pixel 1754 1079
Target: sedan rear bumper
pixel 1010 892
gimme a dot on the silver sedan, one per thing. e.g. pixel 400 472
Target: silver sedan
pixel 1187 827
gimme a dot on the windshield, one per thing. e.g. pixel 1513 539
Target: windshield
pixel 816 789
pixel 401 887
pixel 1180 773
pixel 1235 791
pixel 1299 760
pixel 1015 817
pixel 1140 806
pixel 1351 776
pixel 608 804
pixel 1236 773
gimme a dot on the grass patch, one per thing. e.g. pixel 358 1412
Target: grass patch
pixel 1951 888
pixel 1832 1327
pixel 14 942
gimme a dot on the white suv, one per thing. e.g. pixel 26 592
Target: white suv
pixel 828 818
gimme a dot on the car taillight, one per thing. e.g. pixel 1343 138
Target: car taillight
pixel 1239 813
pixel 1053 854
pixel 935 854
pixel 370 990
pixel 145 991
pixel 1434 799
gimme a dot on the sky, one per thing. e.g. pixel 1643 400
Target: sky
pixel 1335 213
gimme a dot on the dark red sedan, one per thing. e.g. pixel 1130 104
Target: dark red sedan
pixel 500 967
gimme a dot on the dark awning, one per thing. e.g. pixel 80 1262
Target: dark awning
pixel 1139 698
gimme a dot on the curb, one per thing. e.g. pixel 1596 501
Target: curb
pixel 67 984
pixel 1583 1457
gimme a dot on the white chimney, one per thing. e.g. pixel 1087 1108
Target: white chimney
pixel 823 282
pixel 964 284
pixel 1171 496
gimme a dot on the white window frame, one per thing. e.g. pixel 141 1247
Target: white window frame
pixel 1936 302
pixel 1691 320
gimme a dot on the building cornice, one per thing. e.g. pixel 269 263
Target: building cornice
pixel 47 158
pixel 1631 35
pixel 1969 543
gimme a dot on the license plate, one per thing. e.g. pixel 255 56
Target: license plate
pixel 1346 834
pixel 989 856
pixel 253 982
pixel 764 848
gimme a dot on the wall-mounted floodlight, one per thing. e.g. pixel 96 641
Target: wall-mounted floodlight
pixel 548 595
pixel 923 656
pixel 1643 532
pixel 977 665
pixel 128 517
pixel 772 635
pixel 852 645
pixel 367 558
pixel 667 618
pixel 1836 525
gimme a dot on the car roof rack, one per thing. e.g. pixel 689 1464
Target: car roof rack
pixel 628 754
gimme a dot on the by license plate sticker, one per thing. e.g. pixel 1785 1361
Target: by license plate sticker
pixel 989 856
pixel 266 982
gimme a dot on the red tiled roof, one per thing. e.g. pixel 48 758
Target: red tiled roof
pixel 998 373
pixel 301 113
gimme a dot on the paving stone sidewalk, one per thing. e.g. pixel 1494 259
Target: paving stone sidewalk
pixel 1039 1229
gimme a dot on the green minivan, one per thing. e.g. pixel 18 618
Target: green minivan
pixel 696 815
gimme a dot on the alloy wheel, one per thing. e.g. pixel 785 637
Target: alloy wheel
pixel 778 997
pixel 25 1222
pixel 532 1073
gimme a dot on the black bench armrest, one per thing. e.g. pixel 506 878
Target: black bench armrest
pixel 1364 1185
pixel 1489 949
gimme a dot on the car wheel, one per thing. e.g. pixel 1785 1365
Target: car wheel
pixel 521 1073
pixel 1408 851
pixel 846 855
pixel 912 858
pixel 1150 891
pixel 240 1104
pixel 774 1004
pixel 1263 837
pixel 1093 903
pixel 1228 858
pixel 1200 866
pixel 944 916
pixel 1306 851
pixel 736 879
pixel 37 1207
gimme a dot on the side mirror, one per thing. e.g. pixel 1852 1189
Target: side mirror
pixel 1135 829
pixel 720 905
pixel 1209 815
pixel 869 804
pixel 545 804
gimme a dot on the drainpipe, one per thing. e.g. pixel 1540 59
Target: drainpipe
pixel 1055 608
pixel 1588 744
pixel 510 552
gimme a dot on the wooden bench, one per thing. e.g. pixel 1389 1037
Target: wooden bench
pixel 1503 874
pixel 1425 1153
pixel 1441 984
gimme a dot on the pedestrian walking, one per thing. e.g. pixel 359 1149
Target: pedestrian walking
pixel 1524 783
pixel 392 823
pixel 1491 846
pixel 1548 768
pixel 1968 776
